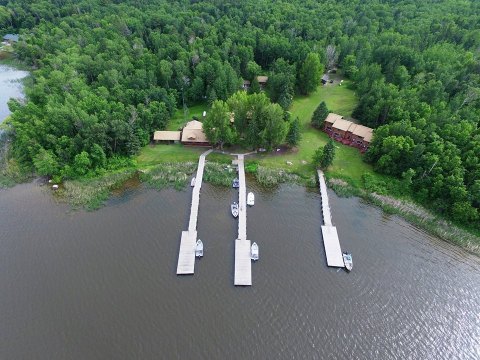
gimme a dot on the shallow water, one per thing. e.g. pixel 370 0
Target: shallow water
pixel 102 285
pixel 10 87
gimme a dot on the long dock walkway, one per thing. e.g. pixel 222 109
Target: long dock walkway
pixel 186 254
pixel 331 242
pixel 243 262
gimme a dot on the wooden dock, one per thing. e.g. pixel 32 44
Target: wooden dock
pixel 331 242
pixel 243 262
pixel 186 254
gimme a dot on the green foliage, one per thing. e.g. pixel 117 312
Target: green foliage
pixel 294 136
pixel 320 114
pixel 323 157
pixel 328 155
pixel 217 124
pixel 45 163
pixel 310 73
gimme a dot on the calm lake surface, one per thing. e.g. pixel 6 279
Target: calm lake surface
pixel 102 285
pixel 10 87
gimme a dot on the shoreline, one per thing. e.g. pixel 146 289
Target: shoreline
pixel 92 193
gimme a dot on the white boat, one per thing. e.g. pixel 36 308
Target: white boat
pixel 234 208
pixel 254 251
pixel 192 183
pixel 347 260
pixel 199 248
pixel 250 199
pixel 236 183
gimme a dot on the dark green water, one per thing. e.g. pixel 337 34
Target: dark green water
pixel 102 285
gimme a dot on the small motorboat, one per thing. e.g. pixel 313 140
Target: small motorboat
pixel 192 183
pixel 199 248
pixel 347 260
pixel 236 183
pixel 250 199
pixel 254 251
pixel 234 208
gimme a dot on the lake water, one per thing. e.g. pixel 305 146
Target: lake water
pixel 10 87
pixel 102 285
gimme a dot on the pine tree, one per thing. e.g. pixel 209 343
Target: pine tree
pixel 293 136
pixel 319 115
pixel 328 155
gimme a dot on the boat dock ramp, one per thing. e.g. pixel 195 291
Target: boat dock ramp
pixel 331 242
pixel 188 242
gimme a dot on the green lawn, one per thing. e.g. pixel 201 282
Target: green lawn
pixel 178 120
pixel 348 161
pixel 155 154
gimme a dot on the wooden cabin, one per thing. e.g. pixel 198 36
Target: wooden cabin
pixel 192 134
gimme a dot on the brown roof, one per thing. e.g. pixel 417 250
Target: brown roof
pixel 167 135
pixel 193 132
pixel 262 79
pixel 365 132
pixel 342 124
pixel 331 117
pixel 246 82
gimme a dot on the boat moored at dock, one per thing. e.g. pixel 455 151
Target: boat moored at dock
pixel 192 183
pixel 250 199
pixel 347 260
pixel 254 251
pixel 236 183
pixel 234 209
pixel 199 248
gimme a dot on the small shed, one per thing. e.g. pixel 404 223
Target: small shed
pixel 11 38
pixel 262 81
pixel 246 85
pixel 167 136
pixel 325 79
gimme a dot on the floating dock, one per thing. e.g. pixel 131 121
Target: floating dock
pixel 186 254
pixel 243 262
pixel 331 242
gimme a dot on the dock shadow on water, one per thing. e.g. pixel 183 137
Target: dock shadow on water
pixel 102 285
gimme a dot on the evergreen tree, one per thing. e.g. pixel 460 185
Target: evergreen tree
pixel 328 155
pixel 319 115
pixel 293 136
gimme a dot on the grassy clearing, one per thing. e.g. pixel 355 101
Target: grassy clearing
pixel 348 163
pixel 157 154
pixel 179 120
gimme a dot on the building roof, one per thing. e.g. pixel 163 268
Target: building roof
pixel 167 135
pixel 193 132
pixel 342 124
pixel 246 82
pixel 331 117
pixel 325 77
pixel 365 132
pixel 262 79
pixel 11 37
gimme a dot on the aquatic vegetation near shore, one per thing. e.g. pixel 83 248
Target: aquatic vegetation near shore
pixel 219 174
pixel 272 177
pixel 91 193
pixel 175 175
pixel 413 213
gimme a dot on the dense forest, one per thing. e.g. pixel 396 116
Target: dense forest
pixel 108 73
